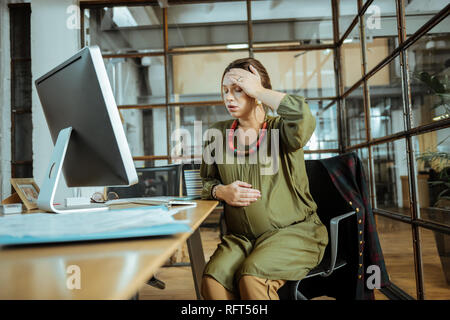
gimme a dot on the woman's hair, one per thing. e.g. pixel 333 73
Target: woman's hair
pixel 245 64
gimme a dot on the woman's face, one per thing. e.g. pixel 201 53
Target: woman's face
pixel 238 103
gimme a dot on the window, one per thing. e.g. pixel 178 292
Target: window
pixel 21 125
pixel 397 119
pixel 165 64
pixel 387 87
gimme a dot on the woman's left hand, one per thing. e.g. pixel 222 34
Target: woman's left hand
pixel 250 82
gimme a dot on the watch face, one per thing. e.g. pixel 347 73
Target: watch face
pixel 97 197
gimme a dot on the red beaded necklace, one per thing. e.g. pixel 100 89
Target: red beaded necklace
pixel 253 148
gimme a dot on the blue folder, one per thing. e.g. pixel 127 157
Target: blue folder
pixel 158 230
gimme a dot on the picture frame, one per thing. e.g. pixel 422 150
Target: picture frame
pixel 27 190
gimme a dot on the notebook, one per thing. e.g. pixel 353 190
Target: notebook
pixel 81 226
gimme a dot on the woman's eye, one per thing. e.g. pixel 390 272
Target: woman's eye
pixel 238 89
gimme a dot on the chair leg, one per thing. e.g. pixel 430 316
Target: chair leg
pixel 300 296
pixel 155 282
pixel 135 297
pixel 297 295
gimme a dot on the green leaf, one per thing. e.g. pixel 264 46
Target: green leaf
pixel 436 85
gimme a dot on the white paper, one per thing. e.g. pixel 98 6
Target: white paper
pixel 79 223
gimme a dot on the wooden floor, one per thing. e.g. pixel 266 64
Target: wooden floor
pixel 397 245
pixel 397 249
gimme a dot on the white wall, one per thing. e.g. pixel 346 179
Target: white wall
pixel 5 102
pixel 52 42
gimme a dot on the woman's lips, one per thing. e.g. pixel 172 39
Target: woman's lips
pixel 232 108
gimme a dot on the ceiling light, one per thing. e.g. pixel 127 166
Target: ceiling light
pixel 122 17
pixel 237 46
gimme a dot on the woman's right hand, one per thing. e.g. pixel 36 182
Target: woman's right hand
pixel 238 194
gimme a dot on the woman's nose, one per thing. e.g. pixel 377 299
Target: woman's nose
pixel 229 96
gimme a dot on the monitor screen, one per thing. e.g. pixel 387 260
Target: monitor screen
pixel 77 94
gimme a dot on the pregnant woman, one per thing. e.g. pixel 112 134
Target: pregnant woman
pixel 273 231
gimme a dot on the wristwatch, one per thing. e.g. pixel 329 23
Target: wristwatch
pixel 213 192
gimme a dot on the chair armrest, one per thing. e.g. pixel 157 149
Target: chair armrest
pixel 334 236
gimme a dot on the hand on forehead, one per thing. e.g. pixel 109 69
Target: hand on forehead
pixel 236 73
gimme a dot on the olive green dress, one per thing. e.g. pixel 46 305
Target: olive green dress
pixel 280 236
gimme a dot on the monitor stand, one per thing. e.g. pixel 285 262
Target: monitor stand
pixel 53 173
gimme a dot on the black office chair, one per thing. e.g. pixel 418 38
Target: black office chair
pixel 334 212
pixel 153 181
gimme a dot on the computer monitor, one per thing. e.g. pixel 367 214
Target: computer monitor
pixel 84 122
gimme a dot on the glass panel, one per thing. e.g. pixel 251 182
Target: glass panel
pixel 351 59
pixel 23 136
pixel 137 81
pixel 19 22
pixel 381 31
pixel 355 116
pixel 21 85
pixel 23 171
pixel 348 9
pixel 433 165
pixel 436 264
pixel 418 12
pixel 150 163
pixel 429 66
pixel 363 154
pixel 306 73
pixel 145 130
pixel 303 21
pixel 207 24
pixel 396 243
pixel 196 120
pixel 196 77
pixel 386 102
pixel 134 29
pixel 316 156
pixel 325 135
pixel 391 177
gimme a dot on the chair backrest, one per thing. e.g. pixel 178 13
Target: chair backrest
pixel 153 181
pixel 329 201
pixel 192 181
pixel 330 204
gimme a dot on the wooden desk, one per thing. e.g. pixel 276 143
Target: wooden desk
pixel 112 269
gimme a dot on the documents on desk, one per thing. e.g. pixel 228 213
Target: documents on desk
pixel 79 226
pixel 168 201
